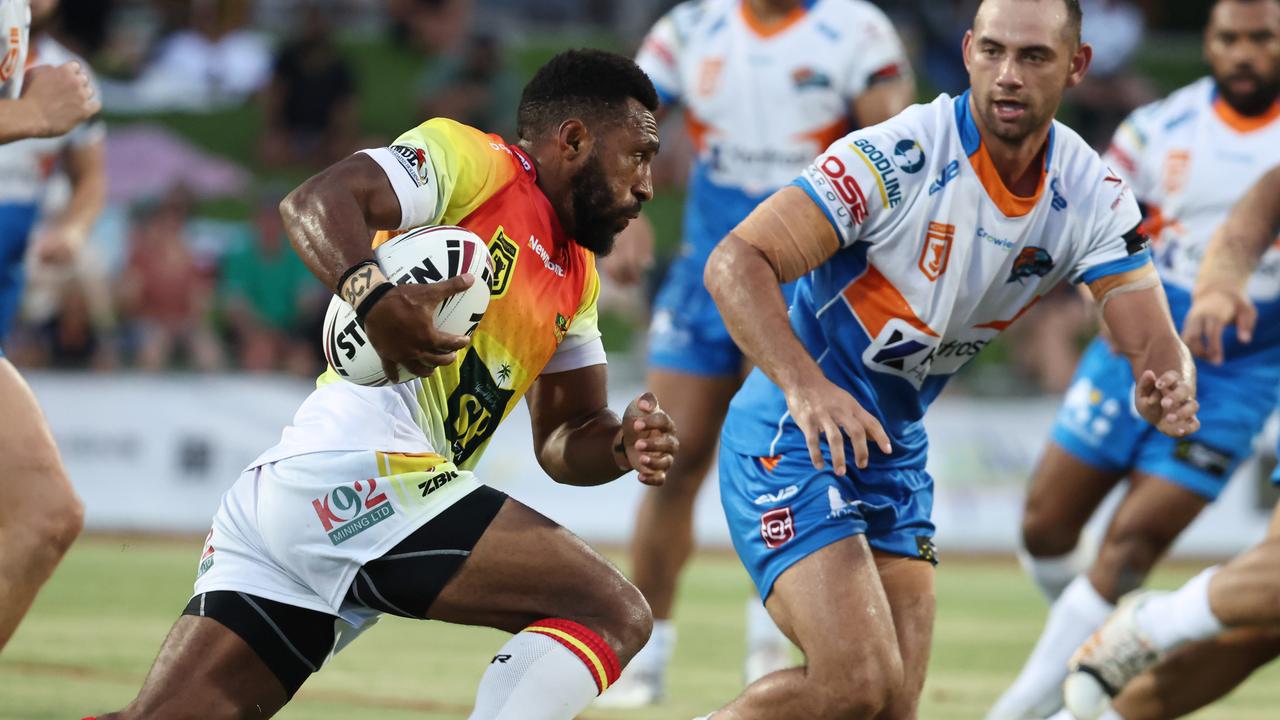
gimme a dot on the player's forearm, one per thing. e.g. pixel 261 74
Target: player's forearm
pixel 1249 230
pixel 88 191
pixel 746 290
pixel 585 453
pixel 21 119
pixel 1142 331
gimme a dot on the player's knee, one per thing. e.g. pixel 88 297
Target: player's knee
pixel 1126 558
pixel 623 618
pixel 1043 535
pixel 860 690
pixel 52 519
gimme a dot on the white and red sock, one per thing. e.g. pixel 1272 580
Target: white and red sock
pixel 551 670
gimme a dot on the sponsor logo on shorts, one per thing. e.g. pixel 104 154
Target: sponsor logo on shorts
pixel 349 510
pixel 437 481
pixel 937 250
pixel 415 162
pixel 206 557
pixel 841 508
pixel 782 495
pixel 925 549
pixel 777 527
pixel 1202 457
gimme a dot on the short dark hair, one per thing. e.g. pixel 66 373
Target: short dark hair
pixel 1075 18
pixel 586 84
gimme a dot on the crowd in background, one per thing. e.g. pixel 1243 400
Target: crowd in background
pixel 173 279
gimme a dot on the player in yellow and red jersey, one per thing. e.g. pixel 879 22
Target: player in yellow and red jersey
pixel 367 505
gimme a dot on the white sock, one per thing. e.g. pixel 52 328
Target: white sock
pixel 654 657
pixel 1181 616
pixel 552 670
pixel 1053 574
pixel 762 631
pixel 1072 619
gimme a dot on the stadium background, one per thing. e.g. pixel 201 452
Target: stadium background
pixel 212 116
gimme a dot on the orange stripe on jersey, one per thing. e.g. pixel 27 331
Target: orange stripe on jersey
pixel 590 648
pixel 1244 123
pixel 823 137
pixel 1002 325
pixel 1011 205
pixel 875 301
pixel 769 28
pixel 697 130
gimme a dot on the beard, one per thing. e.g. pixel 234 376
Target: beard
pixel 1249 102
pixel 596 219
pixel 1033 119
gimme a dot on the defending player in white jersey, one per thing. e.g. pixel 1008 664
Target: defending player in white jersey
pixel 1201 641
pixel 915 243
pixel 40 514
pixel 1188 158
pixel 765 86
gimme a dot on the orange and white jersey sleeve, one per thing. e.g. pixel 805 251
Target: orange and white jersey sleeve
pixel 15 23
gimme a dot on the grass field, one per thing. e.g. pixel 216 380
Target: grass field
pixel 96 627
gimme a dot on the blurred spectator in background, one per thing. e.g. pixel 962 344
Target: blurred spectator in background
pixel 27 166
pixel 270 301
pixel 474 85
pixel 211 63
pixel 942 25
pixel 165 294
pixel 1112 89
pixel 431 26
pixel 68 314
pixel 310 104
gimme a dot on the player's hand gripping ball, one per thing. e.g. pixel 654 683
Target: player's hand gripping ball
pixel 442 277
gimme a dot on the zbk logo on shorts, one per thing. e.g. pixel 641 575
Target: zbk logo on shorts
pixel 351 509
pixel 777 527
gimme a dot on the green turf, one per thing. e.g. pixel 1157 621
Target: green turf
pixel 95 629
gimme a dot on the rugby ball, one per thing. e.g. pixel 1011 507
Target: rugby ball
pixel 425 255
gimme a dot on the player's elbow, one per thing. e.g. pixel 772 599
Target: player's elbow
pixel 721 267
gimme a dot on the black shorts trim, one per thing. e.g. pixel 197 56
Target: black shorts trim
pixel 294 642
pixel 408 578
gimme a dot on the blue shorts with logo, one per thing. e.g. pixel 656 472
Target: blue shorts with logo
pixel 1099 424
pixel 687 333
pixel 780 510
pixel 16 222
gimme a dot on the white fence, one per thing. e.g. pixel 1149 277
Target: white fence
pixel 155 454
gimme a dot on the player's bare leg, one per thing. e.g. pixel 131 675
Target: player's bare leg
pixel 40 514
pixel 833 606
pixel 1150 517
pixel 1196 675
pixel 576 619
pixel 663 541
pixel 908 585
pixel 1065 492
pixel 205 670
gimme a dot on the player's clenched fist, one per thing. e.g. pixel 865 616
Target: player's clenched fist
pixel 62 95
pixel 822 409
pixel 1168 402
pixel 400 327
pixel 1210 314
pixel 649 439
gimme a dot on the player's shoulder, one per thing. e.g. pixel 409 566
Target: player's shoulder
pixel 850 10
pixel 1174 110
pixel 1080 177
pixel 927 124
pixel 686 17
pixel 457 136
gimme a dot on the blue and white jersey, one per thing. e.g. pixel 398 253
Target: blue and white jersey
pixel 937 258
pixel 762 100
pixel 1190 158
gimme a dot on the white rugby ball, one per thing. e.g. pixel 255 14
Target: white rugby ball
pixel 425 255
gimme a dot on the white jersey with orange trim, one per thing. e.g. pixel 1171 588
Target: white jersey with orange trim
pixel 937 258
pixel 15 24
pixel 1190 158
pixel 762 100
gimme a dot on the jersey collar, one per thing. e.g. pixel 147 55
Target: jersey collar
pixel 1243 123
pixel 767 30
pixel 1011 205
